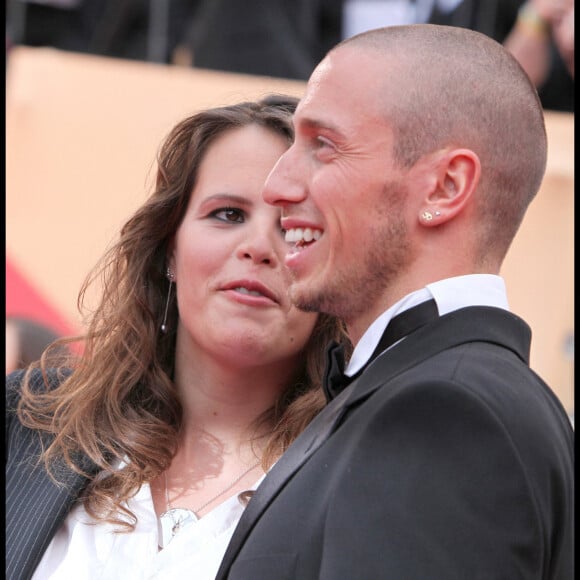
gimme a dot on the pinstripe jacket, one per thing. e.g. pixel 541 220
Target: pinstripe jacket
pixel 35 505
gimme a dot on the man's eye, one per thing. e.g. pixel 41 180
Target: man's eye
pixel 228 214
pixel 324 149
pixel 322 142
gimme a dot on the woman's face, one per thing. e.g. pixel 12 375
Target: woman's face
pixel 232 286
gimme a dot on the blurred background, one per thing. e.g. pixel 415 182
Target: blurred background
pixel 287 38
pixel 93 86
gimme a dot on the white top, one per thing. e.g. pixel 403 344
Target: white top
pixel 83 550
pixel 449 295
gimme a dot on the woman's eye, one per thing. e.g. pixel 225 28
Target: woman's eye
pixel 228 214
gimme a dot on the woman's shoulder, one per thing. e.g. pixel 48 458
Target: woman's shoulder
pixel 37 380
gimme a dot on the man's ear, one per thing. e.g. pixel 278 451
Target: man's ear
pixel 457 175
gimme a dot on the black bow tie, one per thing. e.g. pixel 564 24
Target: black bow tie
pixel 400 326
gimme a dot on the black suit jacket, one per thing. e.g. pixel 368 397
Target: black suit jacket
pixel 447 459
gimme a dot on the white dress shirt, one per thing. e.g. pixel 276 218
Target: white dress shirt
pixel 85 550
pixel 449 295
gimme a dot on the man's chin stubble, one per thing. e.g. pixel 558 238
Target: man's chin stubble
pixel 324 303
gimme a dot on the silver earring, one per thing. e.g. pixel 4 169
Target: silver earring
pixel 171 278
pixel 437 213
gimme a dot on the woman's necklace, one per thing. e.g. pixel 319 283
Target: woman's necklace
pixel 172 520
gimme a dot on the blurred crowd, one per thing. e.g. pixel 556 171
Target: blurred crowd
pixel 287 38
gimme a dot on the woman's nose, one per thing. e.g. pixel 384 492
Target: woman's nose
pixel 262 245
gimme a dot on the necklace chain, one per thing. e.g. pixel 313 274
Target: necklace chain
pixel 224 490
pixel 172 520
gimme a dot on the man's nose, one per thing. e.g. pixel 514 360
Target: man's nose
pixel 284 185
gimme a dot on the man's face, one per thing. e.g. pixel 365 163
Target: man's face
pixel 343 204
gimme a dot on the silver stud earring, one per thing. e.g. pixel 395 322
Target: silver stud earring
pixel 171 278
pixel 437 213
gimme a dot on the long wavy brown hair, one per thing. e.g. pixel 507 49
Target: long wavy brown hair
pixel 116 403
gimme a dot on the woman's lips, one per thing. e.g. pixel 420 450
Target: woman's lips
pixel 252 291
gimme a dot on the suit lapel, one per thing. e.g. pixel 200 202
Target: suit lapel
pixel 300 450
pixel 472 324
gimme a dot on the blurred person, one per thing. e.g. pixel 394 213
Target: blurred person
pixel 563 34
pixel 26 340
pixel 197 372
pixel 440 453
pixel 543 34
pixel 279 38
pixel 532 30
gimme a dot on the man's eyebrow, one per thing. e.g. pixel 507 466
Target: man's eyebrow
pixel 309 124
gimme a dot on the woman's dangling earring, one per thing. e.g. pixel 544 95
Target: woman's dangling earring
pixel 171 278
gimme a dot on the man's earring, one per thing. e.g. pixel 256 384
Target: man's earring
pixel 171 278
pixel 428 216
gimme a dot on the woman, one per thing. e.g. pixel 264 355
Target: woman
pixel 196 374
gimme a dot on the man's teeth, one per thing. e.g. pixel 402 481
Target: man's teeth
pixel 243 290
pixel 297 235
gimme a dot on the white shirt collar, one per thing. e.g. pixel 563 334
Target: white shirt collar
pixel 449 295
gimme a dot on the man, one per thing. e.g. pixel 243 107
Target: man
pixel 417 151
